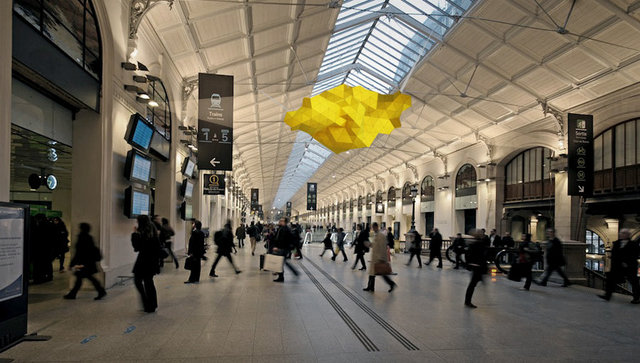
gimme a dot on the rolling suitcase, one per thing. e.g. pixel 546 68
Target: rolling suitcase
pixel 261 262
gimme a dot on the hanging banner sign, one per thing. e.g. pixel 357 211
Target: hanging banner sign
pixel 580 155
pixel 213 184
pixel 254 199
pixel 288 212
pixel 312 194
pixel 215 122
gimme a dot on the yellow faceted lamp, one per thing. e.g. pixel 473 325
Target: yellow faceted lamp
pixel 345 118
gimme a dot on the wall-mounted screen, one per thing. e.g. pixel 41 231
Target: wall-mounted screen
pixel 139 132
pixel 187 167
pixel 160 147
pixel 136 202
pixel 186 211
pixel 137 167
pixel 186 189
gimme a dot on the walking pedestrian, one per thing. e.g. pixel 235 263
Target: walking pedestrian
pixel 224 240
pixel 458 247
pixel 61 240
pixel 340 244
pixel 379 260
pixel 476 262
pixel 241 235
pixel 555 259
pixel 165 234
pixel 144 240
pixel 283 244
pixel 84 263
pixel 416 248
pixel 624 265
pixel 328 245
pixel 435 248
pixel 528 254
pixel 361 245
pixel 252 231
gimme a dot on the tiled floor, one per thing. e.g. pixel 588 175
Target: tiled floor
pixel 249 318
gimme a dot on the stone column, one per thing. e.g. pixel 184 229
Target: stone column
pixel 567 209
pixel 6 33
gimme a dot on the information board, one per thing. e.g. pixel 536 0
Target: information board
pixel 312 195
pixel 255 193
pixel 213 184
pixel 580 155
pixel 215 122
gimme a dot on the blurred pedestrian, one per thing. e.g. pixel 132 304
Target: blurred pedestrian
pixel 435 248
pixel 555 259
pixel 458 247
pixel 328 245
pixel 624 265
pixel 61 240
pixel 416 248
pixel 195 251
pixel 361 245
pixel 379 260
pixel 340 245
pixel 84 263
pixel 224 240
pixel 476 257
pixel 144 240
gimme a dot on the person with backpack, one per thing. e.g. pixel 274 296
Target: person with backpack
pixel 84 263
pixel 361 246
pixel 340 244
pixel 224 240
pixel 144 240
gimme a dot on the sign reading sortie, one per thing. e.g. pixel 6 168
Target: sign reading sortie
pixel 215 122
pixel 580 155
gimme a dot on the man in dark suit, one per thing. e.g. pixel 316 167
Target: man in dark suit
pixel 555 258
pixel 507 241
pixel 435 248
pixel 624 265
pixel 283 244
pixel 476 262
pixel 195 252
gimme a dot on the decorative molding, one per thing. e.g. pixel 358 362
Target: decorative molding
pixel 187 90
pixel 138 10
pixel 382 181
pixel 413 169
pixel 557 114
pixel 442 158
pixel 396 176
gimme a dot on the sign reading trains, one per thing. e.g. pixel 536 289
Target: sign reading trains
pixel 213 184
pixel 215 122
pixel 312 195
pixel 580 155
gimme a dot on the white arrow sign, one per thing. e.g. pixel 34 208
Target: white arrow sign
pixel 214 162
pixel 580 188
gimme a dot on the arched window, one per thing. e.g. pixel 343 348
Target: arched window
pixel 158 107
pixel 616 160
pixel 595 246
pixel 71 25
pixel 406 193
pixel 466 181
pixel 379 196
pixel 528 176
pixel 427 189
pixel 369 199
pixel 360 202
pixel 391 196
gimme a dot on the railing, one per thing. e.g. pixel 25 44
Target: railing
pixel 597 280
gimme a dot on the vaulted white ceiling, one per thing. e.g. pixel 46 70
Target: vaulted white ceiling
pixel 484 78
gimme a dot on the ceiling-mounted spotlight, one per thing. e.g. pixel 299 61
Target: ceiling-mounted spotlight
pixel 152 78
pixel 35 181
pixel 153 103
pixel 129 66
pixel 132 88
pixel 144 96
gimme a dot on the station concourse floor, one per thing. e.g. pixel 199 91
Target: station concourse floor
pixel 249 318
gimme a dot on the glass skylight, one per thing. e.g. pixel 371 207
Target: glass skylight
pixel 375 44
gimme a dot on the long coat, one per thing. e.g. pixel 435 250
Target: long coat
pixel 196 244
pixel 86 254
pixel 148 261
pixel 378 250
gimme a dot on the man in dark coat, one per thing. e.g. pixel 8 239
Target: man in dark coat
pixel 361 245
pixel 555 259
pixel 282 245
pixel 224 240
pixel 476 256
pixel 435 248
pixel 84 261
pixel 507 241
pixel 241 235
pixel 624 265
pixel 340 245
pixel 195 252
pixel 458 247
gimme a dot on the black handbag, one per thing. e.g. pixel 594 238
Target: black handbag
pixel 515 273
pixel 189 263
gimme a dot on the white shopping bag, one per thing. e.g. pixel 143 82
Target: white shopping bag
pixel 273 263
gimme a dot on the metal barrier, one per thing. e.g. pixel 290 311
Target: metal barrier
pixel 597 280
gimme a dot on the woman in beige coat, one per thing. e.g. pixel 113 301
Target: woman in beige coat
pixel 379 258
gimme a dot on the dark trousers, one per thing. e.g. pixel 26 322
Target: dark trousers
pixel 61 257
pixel 289 265
pixel 240 242
pixel 78 284
pixel 215 263
pixel 194 276
pixel 344 254
pixel 476 277
pixel 328 249
pixel 42 269
pixel 458 258
pixel 549 270
pixel 359 258
pixel 167 245
pixel 614 276
pixel 417 254
pixel 435 254
pixel 147 291
pixel 527 274
pixel 388 280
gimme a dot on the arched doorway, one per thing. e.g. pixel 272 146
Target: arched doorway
pixel 466 198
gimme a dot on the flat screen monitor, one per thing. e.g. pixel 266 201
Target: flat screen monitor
pixel 187 167
pixel 136 202
pixel 139 132
pixel 160 147
pixel 186 189
pixel 137 167
pixel 186 211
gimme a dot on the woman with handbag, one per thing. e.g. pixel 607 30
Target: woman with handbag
pixel 144 240
pixel 84 263
pixel 379 260
pixel 195 252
